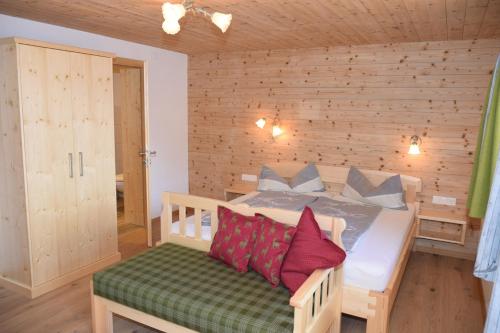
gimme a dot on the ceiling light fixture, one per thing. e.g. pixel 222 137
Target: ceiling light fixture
pixel 172 13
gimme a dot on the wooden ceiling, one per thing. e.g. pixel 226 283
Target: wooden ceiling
pixel 273 24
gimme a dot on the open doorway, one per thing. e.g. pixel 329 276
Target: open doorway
pixel 132 155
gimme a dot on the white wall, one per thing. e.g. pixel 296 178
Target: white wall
pixel 167 84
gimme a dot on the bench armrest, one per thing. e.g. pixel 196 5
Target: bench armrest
pixel 309 287
pixel 318 302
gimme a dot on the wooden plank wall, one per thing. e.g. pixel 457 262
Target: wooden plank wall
pixel 353 105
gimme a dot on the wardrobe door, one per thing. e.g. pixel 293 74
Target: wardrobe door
pixel 49 160
pixel 93 124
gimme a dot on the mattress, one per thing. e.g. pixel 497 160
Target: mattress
pixel 372 260
pixel 371 263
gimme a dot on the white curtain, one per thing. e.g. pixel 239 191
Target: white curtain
pixel 488 253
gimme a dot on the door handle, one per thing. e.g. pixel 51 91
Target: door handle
pixel 70 158
pixel 150 153
pixel 81 164
pixel 146 156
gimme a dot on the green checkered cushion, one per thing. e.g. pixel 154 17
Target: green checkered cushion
pixel 186 287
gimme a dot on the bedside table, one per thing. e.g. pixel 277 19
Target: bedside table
pixel 238 190
pixel 441 226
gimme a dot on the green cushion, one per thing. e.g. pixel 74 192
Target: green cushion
pixel 186 287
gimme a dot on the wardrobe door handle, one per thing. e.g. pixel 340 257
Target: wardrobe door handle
pixel 70 158
pixel 81 164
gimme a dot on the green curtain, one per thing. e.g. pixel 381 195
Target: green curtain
pixel 488 144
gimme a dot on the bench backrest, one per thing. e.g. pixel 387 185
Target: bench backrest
pixel 184 205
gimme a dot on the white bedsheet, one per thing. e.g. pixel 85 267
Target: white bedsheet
pixel 371 262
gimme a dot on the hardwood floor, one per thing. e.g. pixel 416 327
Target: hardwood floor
pixel 438 295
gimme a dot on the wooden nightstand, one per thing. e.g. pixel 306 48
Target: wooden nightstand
pixel 238 190
pixel 441 226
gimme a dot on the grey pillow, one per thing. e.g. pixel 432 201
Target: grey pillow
pixel 389 194
pixel 307 180
pixel 271 181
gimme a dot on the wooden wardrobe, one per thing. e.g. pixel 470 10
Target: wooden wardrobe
pixel 57 165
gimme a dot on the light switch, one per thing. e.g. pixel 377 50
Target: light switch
pixel 248 178
pixel 440 200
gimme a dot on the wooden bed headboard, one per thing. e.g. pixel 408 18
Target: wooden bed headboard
pixel 335 177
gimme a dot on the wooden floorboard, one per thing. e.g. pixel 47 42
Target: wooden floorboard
pixel 438 294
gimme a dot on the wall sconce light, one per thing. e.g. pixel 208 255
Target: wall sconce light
pixel 415 142
pixel 172 13
pixel 261 123
pixel 276 130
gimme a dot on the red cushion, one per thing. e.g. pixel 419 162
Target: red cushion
pixel 310 250
pixel 271 245
pixel 234 239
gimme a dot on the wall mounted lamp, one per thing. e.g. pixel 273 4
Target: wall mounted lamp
pixel 415 142
pixel 173 12
pixel 276 129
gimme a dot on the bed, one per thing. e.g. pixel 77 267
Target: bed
pixel 359 300
pixel 175 287
pixel 374 268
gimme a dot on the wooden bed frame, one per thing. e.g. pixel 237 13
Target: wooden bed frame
pixel 317 303
pixel 374 306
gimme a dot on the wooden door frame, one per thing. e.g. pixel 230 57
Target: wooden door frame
pixel 143 66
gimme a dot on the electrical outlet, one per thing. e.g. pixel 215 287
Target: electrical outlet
pixel 249 178
pixel 448 201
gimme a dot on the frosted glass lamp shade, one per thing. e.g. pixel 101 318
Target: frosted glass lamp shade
pixel 414 145
pixel 261 123
pixel 277 131
pixel 414 149
pixel 173 12
pixel 222 20
pixel 171 27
